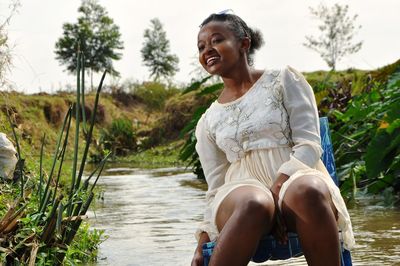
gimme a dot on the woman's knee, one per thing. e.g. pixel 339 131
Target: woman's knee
pixel 245 202
pixel 308 190
pixel 258 206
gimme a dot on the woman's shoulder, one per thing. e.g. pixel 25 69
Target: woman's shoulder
pixel 290 73
pixel 208 113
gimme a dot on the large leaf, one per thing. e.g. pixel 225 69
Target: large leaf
pixel 195 85
pixel 211 89
pixel 193 122
pixel 381 183
pixel 381 152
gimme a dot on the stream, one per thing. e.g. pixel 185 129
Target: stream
pixel 150 216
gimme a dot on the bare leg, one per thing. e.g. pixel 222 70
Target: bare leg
pixel 308 209
pixel 243 217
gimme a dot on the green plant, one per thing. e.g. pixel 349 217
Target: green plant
pixel 119 137
pixel 42 223
pixel 84 247
pixel 188 152
pixel 153 94
pixel 368 133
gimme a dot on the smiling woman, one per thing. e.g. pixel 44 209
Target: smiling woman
pixel 259 147
pixel 237 28
pixel 217 41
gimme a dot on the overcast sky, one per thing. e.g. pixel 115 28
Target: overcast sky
pixel 36 27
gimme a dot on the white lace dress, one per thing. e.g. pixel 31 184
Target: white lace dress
pixel 272 129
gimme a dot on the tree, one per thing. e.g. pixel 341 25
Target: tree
pixel 156 52
pixel 5 48
pixel 95 34
pixel 337 32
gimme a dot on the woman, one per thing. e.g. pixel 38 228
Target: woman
pixel 259 147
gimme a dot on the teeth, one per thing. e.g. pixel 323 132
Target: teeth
pixel 211 58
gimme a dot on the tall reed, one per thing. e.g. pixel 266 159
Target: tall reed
pixel 57 216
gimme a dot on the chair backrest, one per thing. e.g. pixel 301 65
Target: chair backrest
pixel 327 156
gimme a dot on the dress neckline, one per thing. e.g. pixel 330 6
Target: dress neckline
pixel 247 92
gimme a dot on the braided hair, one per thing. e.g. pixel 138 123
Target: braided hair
pixel 240 29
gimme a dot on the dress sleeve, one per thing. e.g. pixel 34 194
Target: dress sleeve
pixel 299 101
pixel 214 163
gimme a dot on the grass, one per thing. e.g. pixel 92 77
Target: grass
pixel 161 156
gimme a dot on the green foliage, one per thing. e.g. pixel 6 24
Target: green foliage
pixel 84 248
pixel 95 35
pixel 160 156
pixel 42 223
pixel 156 52
pixel 188 152
pixel 153 94
pixel 337 31
pixel 368 133
pixel 119 137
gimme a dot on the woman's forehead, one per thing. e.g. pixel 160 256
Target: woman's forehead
pixel 214 27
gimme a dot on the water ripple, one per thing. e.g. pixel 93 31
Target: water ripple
pixel 150 217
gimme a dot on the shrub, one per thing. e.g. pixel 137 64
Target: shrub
pixel 54 113
pixel 119 137
pixel 153 94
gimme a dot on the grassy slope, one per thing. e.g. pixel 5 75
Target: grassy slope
pixel 35 115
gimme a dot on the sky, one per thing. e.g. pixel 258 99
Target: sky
pixel 34 30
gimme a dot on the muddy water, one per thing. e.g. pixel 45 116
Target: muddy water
pixel 150 217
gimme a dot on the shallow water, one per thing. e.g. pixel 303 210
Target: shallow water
pixel 150 217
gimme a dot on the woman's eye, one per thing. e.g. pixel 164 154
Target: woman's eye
pixel 201 48
pixel 217 40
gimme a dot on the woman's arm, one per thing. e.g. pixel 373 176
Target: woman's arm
pixel 299 101
pixel 198 259
pixel 214 164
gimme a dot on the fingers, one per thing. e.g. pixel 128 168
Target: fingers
pixel 280 230
pixel 197 260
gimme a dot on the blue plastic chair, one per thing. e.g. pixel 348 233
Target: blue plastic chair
pixel 293 246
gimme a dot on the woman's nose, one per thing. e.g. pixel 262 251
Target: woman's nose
pixel 208 48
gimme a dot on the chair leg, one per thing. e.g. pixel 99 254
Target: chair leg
pixel 346 258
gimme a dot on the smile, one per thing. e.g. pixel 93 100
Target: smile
pixel 212 60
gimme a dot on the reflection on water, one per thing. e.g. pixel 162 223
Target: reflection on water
pixel 150 217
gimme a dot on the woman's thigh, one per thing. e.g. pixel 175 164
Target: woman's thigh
pixel 305 192
pixel 244 199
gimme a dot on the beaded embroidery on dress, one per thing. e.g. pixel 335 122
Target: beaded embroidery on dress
pixel 256 120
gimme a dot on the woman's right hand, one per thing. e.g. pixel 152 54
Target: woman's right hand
pixel 279 230
pixel 198 259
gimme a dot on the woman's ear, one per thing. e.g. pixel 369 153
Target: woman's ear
pixel 245 45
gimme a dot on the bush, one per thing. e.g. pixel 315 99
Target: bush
pixel 119 137
pixel 366 138
pixel 85 246
pixel 54 112
pixel 153 94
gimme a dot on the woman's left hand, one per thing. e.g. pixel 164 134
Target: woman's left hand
pixel 279 230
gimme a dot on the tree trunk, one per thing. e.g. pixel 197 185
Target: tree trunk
pixel 91 79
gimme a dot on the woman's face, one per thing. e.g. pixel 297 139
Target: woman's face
pixel 219 49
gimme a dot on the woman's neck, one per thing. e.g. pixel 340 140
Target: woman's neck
pixel 237 83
